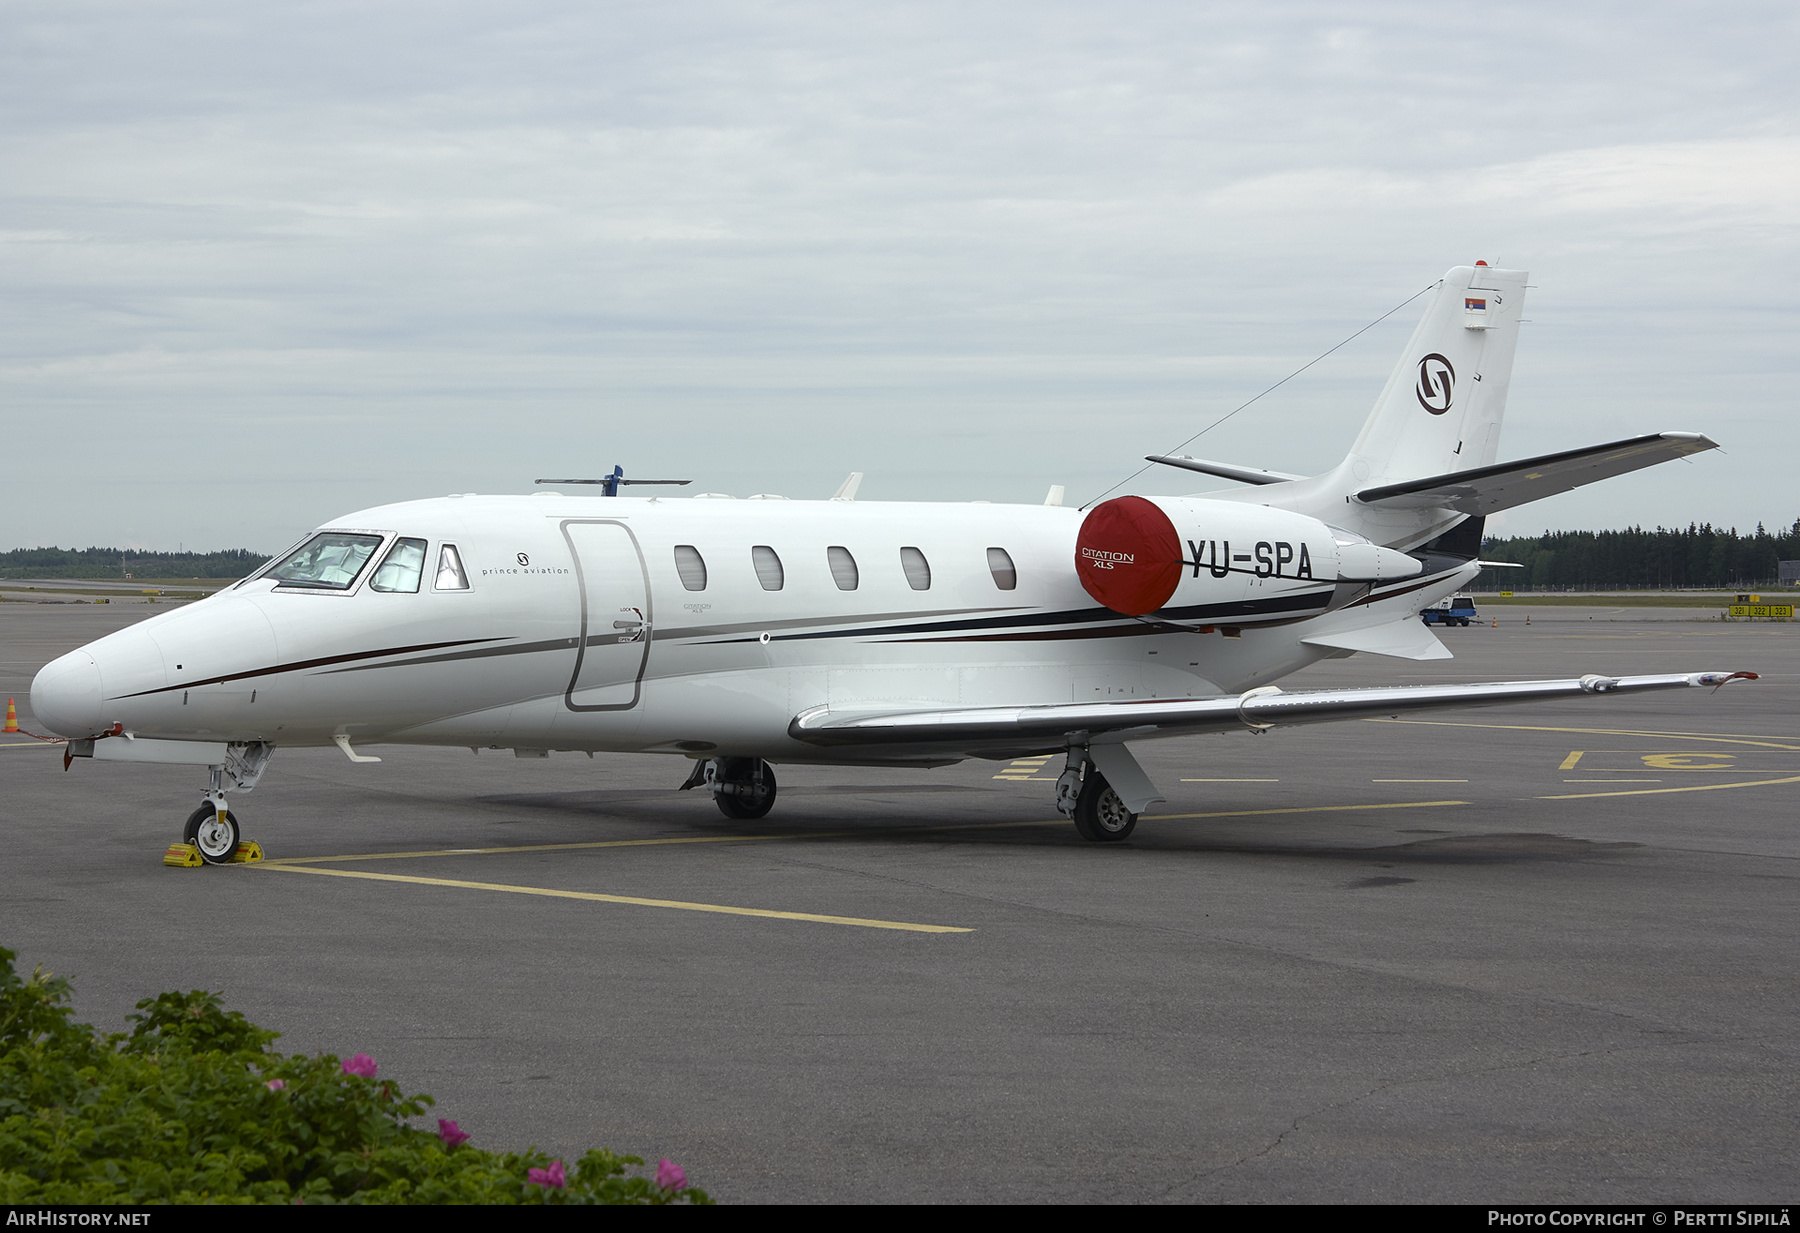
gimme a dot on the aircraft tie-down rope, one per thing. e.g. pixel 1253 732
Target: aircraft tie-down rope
pixel 1384 316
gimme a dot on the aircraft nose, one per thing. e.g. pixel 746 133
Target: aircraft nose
pixel 65 695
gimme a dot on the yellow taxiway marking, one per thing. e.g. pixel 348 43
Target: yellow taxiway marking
pixel 1020 769
pixel 635 901
pixel 1257 813
pixel 1664 750
pixel 1684 761
pixel 296 861
pixel 30 744
pixel 1699 787
pixel 530 847
pixel 1733 738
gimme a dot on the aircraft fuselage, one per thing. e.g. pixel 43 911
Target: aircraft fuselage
pixel 701 627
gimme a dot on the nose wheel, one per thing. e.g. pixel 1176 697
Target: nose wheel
pixel 213 834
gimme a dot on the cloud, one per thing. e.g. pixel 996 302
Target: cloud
pixel 971 251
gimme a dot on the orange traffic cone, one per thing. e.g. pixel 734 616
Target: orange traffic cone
pixel 12 718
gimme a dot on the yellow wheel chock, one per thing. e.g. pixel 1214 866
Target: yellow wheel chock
pixel 187 856
pixel 183 856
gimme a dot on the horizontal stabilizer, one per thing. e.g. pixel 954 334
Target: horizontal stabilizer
pixel 1224 470
pixel 1405 639
pixel 1487 490
pixel 977 730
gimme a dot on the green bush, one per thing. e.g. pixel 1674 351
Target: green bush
pixel 194 1106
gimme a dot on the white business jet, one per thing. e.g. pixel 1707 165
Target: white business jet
pixel 746 633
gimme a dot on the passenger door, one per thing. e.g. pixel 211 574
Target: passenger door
pixel 616 620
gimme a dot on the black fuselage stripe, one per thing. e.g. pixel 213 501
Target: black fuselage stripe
pixel 522 648
pixel 302 665
pixel 1014 627
pixel 1091 623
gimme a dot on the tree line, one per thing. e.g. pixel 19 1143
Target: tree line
pixel 120 562
pixel 1701 556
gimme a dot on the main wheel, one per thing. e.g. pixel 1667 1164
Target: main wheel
pixel 217 844
pixel 745 799
pixel 1099 813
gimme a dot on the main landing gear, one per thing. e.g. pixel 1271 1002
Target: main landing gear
pixel 1083 794
pixel 743 788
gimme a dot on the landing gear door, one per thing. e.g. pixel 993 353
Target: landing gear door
pixel 616 623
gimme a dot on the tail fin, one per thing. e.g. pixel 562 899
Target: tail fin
pixel 1442 407
pixel 1440 412
pixel 1424 460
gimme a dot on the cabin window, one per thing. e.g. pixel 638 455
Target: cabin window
pixel 329 561
pixel 843 567
pixel 450 575
pixel 402 568
pixel 768 568
pixel 691 566
pixel 1000 565
pixel 918 569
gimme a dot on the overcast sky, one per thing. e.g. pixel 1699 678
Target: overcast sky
pixel 265 265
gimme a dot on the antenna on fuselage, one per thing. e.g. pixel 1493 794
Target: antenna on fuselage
pixel 609 485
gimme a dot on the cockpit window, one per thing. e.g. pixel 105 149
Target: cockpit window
pixel 329 561
pixel 450 576
pixel 401 568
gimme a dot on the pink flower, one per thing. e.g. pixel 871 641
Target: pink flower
pixel 275 1085
pixel 451 1133
pixel 670 1176
pixel 362 1064
pixel 553 1176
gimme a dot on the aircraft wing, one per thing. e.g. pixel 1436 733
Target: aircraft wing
pixel 1486 490
pixel 990 729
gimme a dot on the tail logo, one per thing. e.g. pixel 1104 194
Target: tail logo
pixel 1436 380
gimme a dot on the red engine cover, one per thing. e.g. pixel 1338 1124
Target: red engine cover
pixel 1128 556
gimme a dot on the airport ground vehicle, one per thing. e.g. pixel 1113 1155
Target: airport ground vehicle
pixel 1452 610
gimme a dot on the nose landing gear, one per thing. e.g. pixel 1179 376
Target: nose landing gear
pixel 211 836
pixel 213 830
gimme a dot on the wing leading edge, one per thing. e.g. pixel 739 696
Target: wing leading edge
pixel 989 729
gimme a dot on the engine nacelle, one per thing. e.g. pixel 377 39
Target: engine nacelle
pixel 1191 559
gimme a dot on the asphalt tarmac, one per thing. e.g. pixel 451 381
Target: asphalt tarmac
pixel 1540 953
